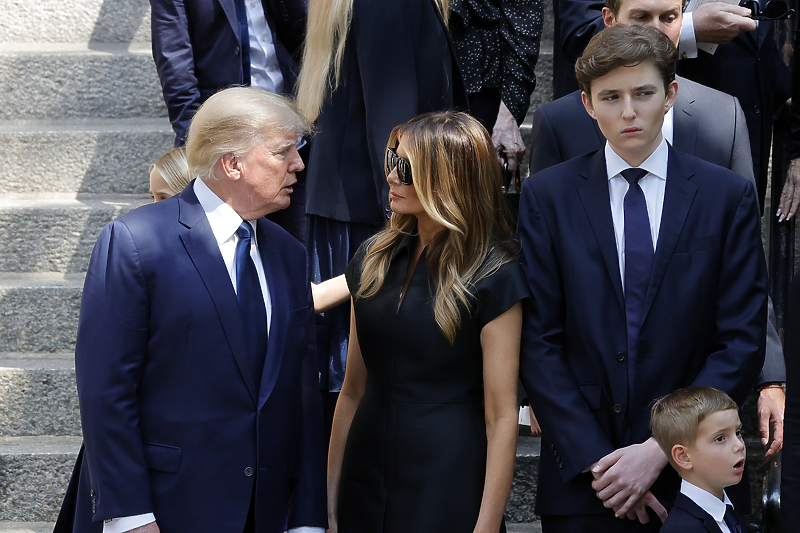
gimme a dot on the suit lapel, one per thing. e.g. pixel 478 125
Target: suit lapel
pixel 686 504
pixel 685 122
pixel 276 284
pixel 229 7
pixel 678 198
pixel 200 244
pixel 593 193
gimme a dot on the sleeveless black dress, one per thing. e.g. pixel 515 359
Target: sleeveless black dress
pixel 415 457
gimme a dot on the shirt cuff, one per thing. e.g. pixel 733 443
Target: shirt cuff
pixel 126 523
pixel 306 530
pixel 687 45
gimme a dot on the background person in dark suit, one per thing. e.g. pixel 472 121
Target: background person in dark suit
pixel 202 46
pixel 631 302
pixel 704 122
pixel 194 359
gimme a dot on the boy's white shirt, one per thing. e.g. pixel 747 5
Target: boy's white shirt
pixel 708 503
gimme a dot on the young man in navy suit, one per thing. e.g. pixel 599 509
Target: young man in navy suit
pixel 195 358
pixel 647 275
pixel 701 434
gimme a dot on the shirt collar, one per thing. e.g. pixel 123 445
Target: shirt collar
pixel 706 501
pixel 224 221
pixel 656 164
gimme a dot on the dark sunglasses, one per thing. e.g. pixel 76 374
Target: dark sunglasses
pixel 772 10
pixel 402 164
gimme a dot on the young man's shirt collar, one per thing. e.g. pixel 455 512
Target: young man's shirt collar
pixel 655 164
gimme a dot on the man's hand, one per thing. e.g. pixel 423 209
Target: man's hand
pixel 771 404
pixel 639 509
pixel 719 23
pixel 790 196
pixel 623 477
pixel 507 139
pixel 152 527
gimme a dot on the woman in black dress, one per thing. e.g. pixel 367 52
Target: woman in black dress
pixel 424 434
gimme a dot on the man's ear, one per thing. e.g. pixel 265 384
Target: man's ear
pixel 672 95
pixel 587 103
pixel 680 456
pixel 608 17
pixel 230 165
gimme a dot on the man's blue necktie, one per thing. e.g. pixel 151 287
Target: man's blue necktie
pixel 638 259
pixel 244 40
pixel 731 520
pixel 251 301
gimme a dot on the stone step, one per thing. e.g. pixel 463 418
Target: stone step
pixel 44 527
pixel 39 312
pixel 56 232
pixel 78 80
pixel 533 527
pixel 523 489
pixel 82 156
pixel 38 395
pixel 85 20
pixel 34 473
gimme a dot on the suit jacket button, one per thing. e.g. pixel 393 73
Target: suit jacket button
pixel 620 357
pixel 617 408
pixel 248 471
pixel 237 51
pixel 561 464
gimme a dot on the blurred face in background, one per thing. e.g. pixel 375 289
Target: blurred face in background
pixel 664 15
pixel 159 189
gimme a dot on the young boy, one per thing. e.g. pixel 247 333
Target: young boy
pixel 647 275
pixel 699 430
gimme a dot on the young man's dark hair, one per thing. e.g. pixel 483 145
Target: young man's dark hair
pixel 625 46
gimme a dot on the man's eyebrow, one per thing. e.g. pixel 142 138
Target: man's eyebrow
pixel 607 92
pixel 646 86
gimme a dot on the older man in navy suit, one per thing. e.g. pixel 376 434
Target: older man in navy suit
pixel 194 359
pixel 647 274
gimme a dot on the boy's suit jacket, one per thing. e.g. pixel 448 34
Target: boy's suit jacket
pixel 688 517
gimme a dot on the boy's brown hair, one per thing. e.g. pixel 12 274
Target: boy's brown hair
pixel 626 46
pixel 675 418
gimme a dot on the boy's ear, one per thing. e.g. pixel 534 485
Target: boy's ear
pixel 680 457
pixel 672 95
pixel 587 103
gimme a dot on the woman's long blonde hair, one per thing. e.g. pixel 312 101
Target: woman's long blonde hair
pixel 457 178
pixel 326 34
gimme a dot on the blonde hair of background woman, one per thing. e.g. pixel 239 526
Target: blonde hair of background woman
pixel 173 167
pixel 457 179
pixel 326 34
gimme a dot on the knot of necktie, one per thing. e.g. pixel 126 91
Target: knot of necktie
pixel 633 175
pixel 244 232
